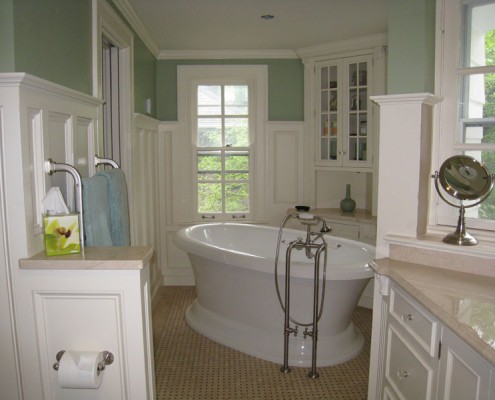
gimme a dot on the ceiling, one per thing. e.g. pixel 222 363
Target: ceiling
pixel 213 25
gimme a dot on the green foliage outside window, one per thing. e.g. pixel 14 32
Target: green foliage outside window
pixel 487 208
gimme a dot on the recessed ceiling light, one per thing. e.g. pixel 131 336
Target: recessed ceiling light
pixel 267 16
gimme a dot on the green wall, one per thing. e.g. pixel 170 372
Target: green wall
pixel 411 46
pixel 144 72
pixel 144 78
pixel 53 41
pixel 285 86
pixel 7 57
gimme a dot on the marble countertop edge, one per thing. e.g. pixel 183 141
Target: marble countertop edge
pixel 92 258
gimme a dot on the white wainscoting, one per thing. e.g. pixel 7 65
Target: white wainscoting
pixel 40 120
pixel 147 177
pixel 284 188
pixel 285 181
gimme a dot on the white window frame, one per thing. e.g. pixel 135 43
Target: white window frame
pixel 448 73
pixel 184 156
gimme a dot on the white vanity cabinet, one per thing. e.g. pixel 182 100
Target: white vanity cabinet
pixel 98 300
pixel 415 356
pixel 411 361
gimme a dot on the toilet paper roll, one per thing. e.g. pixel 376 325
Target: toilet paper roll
pixel 79 370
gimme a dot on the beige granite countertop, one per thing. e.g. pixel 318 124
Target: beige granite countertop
pixel 463 302
pixel 92 258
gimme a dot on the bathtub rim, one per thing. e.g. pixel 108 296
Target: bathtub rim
pixel 341 271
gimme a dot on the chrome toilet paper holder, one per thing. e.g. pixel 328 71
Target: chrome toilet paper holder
pixel 107 360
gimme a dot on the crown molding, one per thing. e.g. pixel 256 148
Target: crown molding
pixel 343 46
pixel 225 54
pixel 137 25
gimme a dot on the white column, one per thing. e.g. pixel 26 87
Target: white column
pixel 404 165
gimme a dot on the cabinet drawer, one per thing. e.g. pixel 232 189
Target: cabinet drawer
pixel 408 373
pixel 420 325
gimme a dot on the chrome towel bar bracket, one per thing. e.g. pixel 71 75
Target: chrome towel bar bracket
pixel 105 161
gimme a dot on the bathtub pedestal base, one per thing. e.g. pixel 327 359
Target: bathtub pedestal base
pixel 333 349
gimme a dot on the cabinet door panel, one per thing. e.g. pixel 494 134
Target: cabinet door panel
pixel 464 374
pixel 406 371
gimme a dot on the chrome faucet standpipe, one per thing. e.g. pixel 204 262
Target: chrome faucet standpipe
pixel 312 250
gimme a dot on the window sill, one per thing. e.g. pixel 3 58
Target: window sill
pixel 430 250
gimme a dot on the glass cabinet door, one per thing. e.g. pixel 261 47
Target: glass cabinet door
pixel 357 111
pixel 342 115
pixel 329 111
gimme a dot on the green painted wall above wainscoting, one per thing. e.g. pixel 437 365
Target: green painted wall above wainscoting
pixel 52 40
pixel 285 86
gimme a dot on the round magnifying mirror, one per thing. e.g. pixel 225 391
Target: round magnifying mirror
pixel 464 178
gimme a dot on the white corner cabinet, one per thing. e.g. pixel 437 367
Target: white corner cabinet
pixel 339 112
pixel 415 355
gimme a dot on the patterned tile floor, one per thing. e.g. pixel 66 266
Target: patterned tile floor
pixel 189 366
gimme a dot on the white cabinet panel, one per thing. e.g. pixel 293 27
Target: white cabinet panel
pixel 464 374
pixel 405 368
pixel 81 321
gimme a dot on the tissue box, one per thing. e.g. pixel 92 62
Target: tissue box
pixel 61 234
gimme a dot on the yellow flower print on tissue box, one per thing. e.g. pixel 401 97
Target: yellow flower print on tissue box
pixel 61 234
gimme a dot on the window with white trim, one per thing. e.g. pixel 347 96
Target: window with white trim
pixel 222 114
pixel 222 148
pixel 466 83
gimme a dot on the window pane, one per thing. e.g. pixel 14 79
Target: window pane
pixel 236 100
pixel 479 35
pixel 478 132
pixel 209 197
pixel 236 132
pixel 478 96
pixel 237 197
pixel 209 165
pixel 237 161
pixel 486 210
pixel 209 132
pixel 209 100
pixel 237 176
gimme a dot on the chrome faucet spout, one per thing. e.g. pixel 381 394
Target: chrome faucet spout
pixel 325 228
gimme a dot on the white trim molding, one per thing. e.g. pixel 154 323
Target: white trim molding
pixel 130 14
pixel 226 54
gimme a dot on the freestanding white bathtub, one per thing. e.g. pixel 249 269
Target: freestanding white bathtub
pixel 237 303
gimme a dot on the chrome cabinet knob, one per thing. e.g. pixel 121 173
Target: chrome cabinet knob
pixel 407 317
pixel 402 374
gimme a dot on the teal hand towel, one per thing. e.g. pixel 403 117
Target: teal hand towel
pixel 118 205
pixel 96 212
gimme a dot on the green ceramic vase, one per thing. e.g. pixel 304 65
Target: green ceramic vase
pixel 347 204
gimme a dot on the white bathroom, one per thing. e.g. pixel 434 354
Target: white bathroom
pixel 350 111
